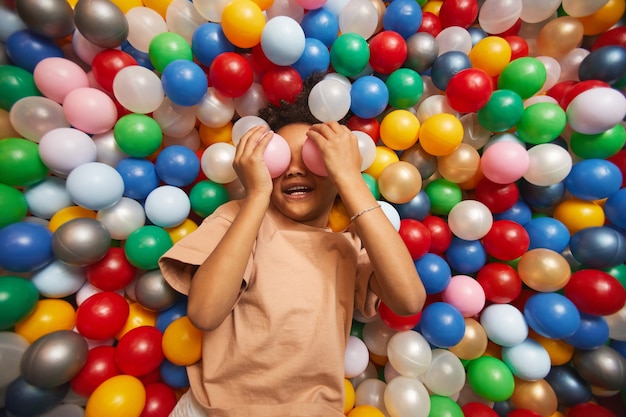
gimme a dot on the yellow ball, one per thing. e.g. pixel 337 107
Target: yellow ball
pixel 491 54
pixel 69 213
pixel 211 135
pixel 182 230
pixel 182 342
pixel 441 134
pixel 159 6
pixel 338 219
pixel 121 396
pixel 138 316
pixel 366 411
pixel 384 156
pixel 560 352
pixel 578 214
pixel 49 316
pixel 349 396
pixel 399 129
pixel 432 6
pixel 124 5
pixel 400 182
pixel 243 22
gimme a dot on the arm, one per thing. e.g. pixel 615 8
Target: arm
pixel 396 280
pixel 216 284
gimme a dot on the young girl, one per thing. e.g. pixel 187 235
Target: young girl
pixel 274 289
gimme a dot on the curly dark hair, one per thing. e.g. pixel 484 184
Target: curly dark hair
pixel 296 112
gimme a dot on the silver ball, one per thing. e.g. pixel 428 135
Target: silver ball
pixel 81 241
pixel 52 18
pixel 603 367
pixel 422 50
pixel 101 22
pixel 153 292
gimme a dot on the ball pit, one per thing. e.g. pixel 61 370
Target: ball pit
pixel 492 133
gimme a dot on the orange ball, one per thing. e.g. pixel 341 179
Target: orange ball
pixel 211 135
pixel 399 182
pixel 537 396
pixel 560 352
pixel 578 214
pixel 604 18
pixel 461 165
pixel 491 54
pixel 339 218
pixel 474 341
pixel 384 157
pixel 544 270
pixel 120 395
pixel 441 134
pixel 182 342
pixel 559 36
pixel 243 22
pixel 50 315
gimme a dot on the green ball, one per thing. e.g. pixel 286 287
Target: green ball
pixel 13 205
pixel 490 378
pixel 372 185
pixel 441 406
pixel 524 75
pixel 20 163
pixel 167 47
pixel 541 123
pixel 138 135
pixel 349 54
pixel 206 196
pixel 18 298
pixel 503 111
pixel 598 146
pixel 405 88
pixel 146 245
pixel 443 195
pixel 15 84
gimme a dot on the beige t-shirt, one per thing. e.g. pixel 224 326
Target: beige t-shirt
pixel 281 350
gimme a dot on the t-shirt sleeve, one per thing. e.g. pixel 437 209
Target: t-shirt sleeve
pixel 366 301
pixel 181 261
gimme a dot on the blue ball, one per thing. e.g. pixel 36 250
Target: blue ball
pixel 615 208
pixel 174 375
pixel 24 399
pixel 446 66
pixel 166 317
pixel 139 176
pixel 551 315
pixel 619 346
pixel 607 64
pixel 142 58
pixel 25 247
pixel 314 58
pixel 520 213
pixel 177 165
pixel 593 179
pixel 403 16
pixel 477 34
pixel 369 96
pixel 184 82
pixel 592 332
pixel 538 196
pixel 600 247
pixel 548 233
pixel 321 24
pixel 208 41
pixel 442 324
pixel 465 256
pixel 26 48
pixel 434 272
pixel 417 208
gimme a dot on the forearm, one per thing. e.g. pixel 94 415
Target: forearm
pixel 216 284
pixel 397 282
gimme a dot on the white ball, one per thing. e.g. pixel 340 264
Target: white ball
pixel 217 162
pixel 504 324
pixel 123 218
pixel 470 220
pixel 356 357
pixel 95 185
pixel 409 353
pixel 167 206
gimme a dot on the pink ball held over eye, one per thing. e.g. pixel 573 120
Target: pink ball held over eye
pixel 277 155
pixel 312 158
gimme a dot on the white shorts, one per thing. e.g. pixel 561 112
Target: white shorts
pixel 187 406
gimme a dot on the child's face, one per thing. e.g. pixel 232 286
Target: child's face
pixel 298 193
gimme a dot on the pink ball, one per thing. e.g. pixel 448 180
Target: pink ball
pixel 277 155
pixel 311 4
pixel 312 158
pixel 90 110
pixel 466 294
pixel 505 162
pixel 55 77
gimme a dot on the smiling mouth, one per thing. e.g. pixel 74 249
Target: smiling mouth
pixel 298 190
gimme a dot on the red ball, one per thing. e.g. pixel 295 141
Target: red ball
pixel 416 237
pixel 595 292
pixel 476 409
pixel 369 126
pixel 388 51
pixel 259 61
pixel 519 46
pixel 281 84
pixel 578 88
pixel 396 322
pixel 461 13
pixel 230 74
pixel 513 30
pixel 506 240
pixel 111 273
pixel 520 301
pixel 160 400
pixel 615 36
pixel 102 315
pixel 588 410
pixel 523 412
pixel 440 234
pixel 139 351
pixel 469 90
pixel 558 90
pixel 430 24
pixel 501 282
pixel 619 159
pixel 99 366
pixel 497 197
pixel 107 63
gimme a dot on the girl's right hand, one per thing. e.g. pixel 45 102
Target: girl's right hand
pixel 249 163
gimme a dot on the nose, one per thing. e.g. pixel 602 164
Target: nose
pixel 296 167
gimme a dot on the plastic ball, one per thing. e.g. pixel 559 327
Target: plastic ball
pixel 26 48
pixel 504 324
pixel 58 280
pixel 388 51
pixel 181 333
pixel 502 111
pixel 81 241
pixel 403 17
pixel 559 36
pixel 614 208
pixel 184 82
pixel 20 163
pixel 64 148
pixel 321 24
pixel 160 399
pixel 139 351
pixel 48 316
pixel 145 246
pixel 230 74
pixel 174 376
pixel 578 214
pixel 601 146
pixel 122 218
pixel 138 316
pixel 541 123
pixel 505 162
pixel 520 213
pixel 524 75
pixel 470 220
pixel 548 233
pixel 359 17
pixel 465 256
pixel 592 333
pixel 399 182
pixel 208 41
pixel 440 234
pixel 443 195
pixel 349 54
pixel 445 375
pixel 153 292
pixel 329 100
pixel 506 240
pixel 405 88
pixel 19 299
pixel 26 399
pixel 33 116
pixel 107 64
pixel 166 316
pixel 422 50
pixel 243 22
pixel 527 360
pixel 282 40
pixel 133 78
pixel 369 96
pixel 442 324
pixel 25 246
pixel 409 353
pixel 570 388
pixel 490 378
pixel 13 205
pixel 102 315
pixel 599 247
pixel 395 321
pixel 469 90
pixel 601 368
pixel 406 396
pixel 551 315
pixel 16 83
pixel 95 185
pixel 464 293
pixel 90 110
pixel 497 197
pixel 120 395
pixel 356 357
pixel 434 272
pixel 111 273
pixel 593 179
pixel 548 164
pixel 544 270
pixel 206 196
pixel 216 163
pixel 446 66
pixel 416 237
pixel 137 135
pixel 102 23
pixel 367 148
pixel 596 110
pixel 501 282
pixel 99 366
pixel 139 176
pixel 441 134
